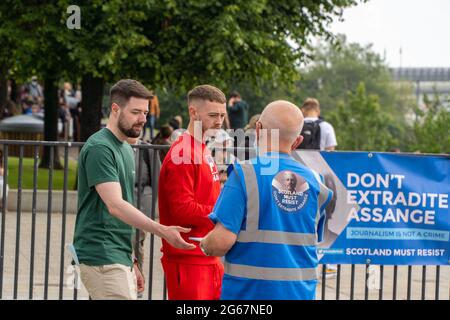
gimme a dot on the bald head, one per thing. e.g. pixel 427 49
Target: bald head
pixel 283 116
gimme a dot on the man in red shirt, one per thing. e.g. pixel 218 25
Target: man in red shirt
pixel 188 189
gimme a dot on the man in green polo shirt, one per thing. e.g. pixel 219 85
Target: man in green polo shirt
pixel 105 219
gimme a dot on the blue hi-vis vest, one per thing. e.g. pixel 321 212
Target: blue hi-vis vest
pixel 275 253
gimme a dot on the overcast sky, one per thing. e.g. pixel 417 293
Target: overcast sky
pixel 420 27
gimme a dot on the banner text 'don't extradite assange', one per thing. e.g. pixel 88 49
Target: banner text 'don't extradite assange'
pixel 418 208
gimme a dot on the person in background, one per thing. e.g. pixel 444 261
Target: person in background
pixel 219 143
pixel 146 169
pixel 73 100
pixel 27 105
pixel 176 122
pixel 317 133
pixel 237 111
pixel 223 175
pixel 64 117
pixel 249 141
pixel 251 125
pixel 152 116
pixel 163 139
pixel 35 91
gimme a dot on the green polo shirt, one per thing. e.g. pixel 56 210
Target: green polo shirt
pixel 99 237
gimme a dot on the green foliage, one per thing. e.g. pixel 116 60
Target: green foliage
pixel 9 39
pixel 335 71
pixel 172 103
pixel 109 31
pixel 432 127
pixel 203 41
pixel 339 69
pixel 361 124
pixel 33 34
pixel 379 111
pixel 171 43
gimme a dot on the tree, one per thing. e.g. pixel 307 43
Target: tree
pixel 38 47
pixel 47 55
pixel 337 69
pixel 9 38
pixel 361 124
pixel 200 40
pixel 432 127
pixel 178 44
pixel 109 30
pixel 172 43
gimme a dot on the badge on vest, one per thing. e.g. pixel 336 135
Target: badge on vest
pixel 289 191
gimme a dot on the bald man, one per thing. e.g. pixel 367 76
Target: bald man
pixel 189 186
pixel 267 235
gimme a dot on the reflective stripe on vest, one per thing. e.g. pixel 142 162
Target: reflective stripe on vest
pixel 278 237
pixel 277 274
pixel 251 186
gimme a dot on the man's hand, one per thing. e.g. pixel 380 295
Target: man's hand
pixel 139 279
pixel 172 235
pixel 218 241
pixel 231 102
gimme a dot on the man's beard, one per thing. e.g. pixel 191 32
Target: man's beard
pixel 129 132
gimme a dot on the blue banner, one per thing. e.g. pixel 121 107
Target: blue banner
pixel 389 209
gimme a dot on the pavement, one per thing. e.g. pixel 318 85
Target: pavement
pixel 157 279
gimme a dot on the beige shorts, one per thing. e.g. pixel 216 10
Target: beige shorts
pixel 109 282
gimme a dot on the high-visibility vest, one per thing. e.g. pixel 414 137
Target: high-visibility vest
pixel 296 259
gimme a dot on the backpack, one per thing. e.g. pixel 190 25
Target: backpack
pixel 311 135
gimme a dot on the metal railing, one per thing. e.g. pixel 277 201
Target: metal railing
pixel 421 283
pixel 34 262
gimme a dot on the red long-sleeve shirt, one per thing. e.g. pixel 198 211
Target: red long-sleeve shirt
pixel 188 189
